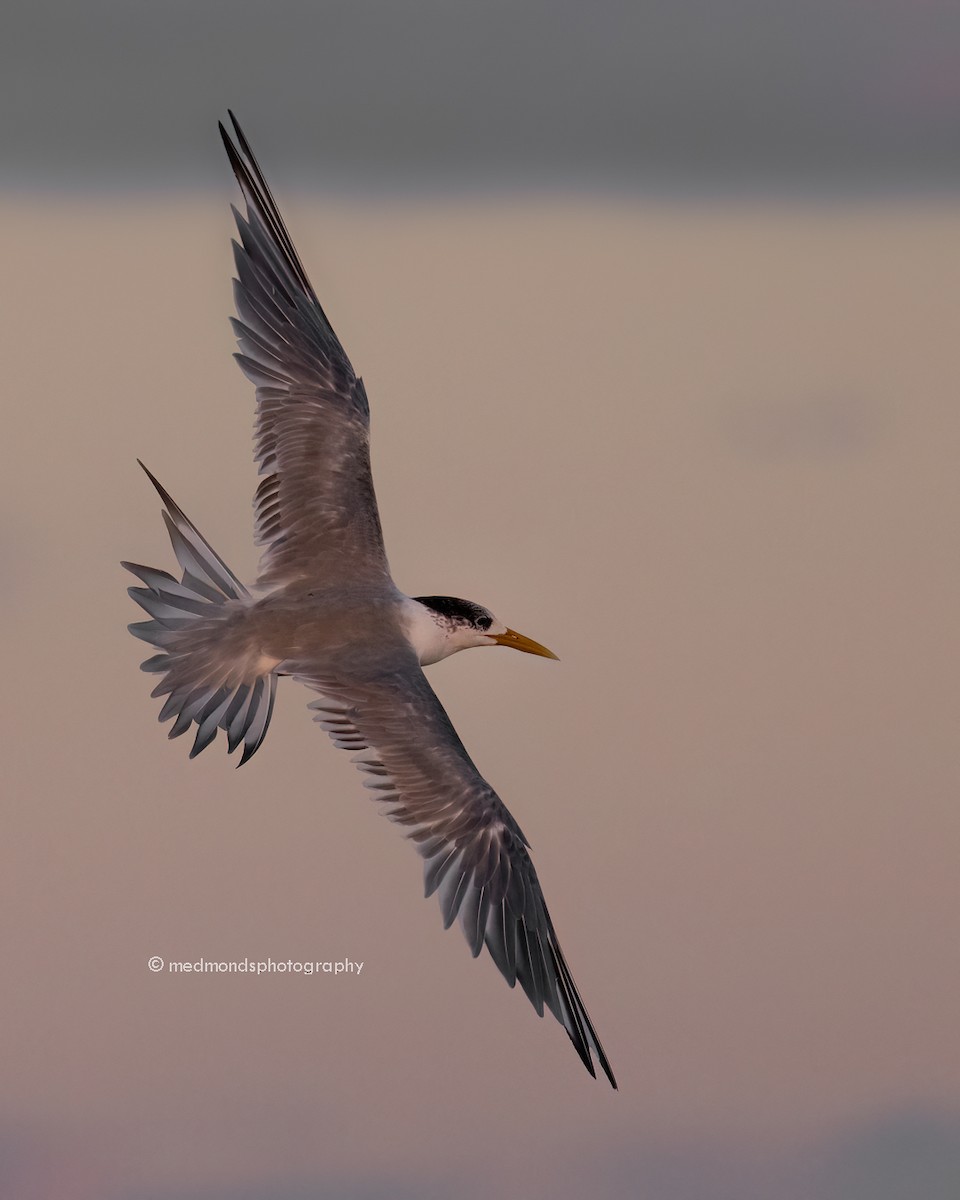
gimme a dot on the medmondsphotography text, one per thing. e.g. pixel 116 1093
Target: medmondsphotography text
pixel 252 966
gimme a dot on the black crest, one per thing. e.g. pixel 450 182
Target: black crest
pixel 458 612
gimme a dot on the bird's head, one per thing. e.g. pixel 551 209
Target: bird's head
pixel 451 624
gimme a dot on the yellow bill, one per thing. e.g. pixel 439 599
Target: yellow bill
pixel 518 642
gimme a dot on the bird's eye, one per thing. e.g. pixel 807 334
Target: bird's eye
pixel 484 622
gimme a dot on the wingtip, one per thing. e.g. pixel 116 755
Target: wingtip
pixel 606 1068
pixel 233 154
pixel 244 144
pixel 232 117
pixel 587 1059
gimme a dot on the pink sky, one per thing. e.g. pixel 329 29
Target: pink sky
pixel 709 457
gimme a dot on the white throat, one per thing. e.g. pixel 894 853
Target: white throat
pixel 433 637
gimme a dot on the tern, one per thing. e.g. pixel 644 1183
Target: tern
pixel 326 611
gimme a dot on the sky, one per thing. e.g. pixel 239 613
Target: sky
pixel 427 94
pixel 702 445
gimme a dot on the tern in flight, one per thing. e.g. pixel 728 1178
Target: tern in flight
pixel 326 611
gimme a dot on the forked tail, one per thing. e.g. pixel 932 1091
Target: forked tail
pixel 213 676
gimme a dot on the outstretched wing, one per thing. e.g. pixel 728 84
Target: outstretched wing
pixel 475 856
pixel 316 511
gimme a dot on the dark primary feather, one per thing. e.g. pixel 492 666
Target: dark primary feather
pixel 316 510
pixel 475 855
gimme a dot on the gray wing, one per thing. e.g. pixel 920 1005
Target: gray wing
pixel 316 511
pixel 476 857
